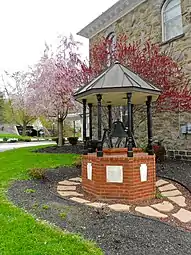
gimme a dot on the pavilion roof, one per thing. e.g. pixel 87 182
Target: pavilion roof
pixel 114 83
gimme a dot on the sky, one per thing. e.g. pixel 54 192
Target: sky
pixel 26 24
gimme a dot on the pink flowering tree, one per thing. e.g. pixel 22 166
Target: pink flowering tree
pixel 56 77
pixel 19 97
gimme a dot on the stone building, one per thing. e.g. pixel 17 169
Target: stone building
pixel 167 23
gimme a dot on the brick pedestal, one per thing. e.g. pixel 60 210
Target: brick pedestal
pixel 115 176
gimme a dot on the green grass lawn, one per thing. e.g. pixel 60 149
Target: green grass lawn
pixel 4 135
pixel 20 233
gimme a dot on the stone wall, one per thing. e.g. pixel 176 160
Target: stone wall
pixel 144 23
pixel 179 155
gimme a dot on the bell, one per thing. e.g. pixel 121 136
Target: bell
pixel 118 129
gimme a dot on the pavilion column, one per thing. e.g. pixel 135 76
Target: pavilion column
pixel 90 121
pixel 109 117
pixel 84 126
pixel 132 119
pixel 89 142
pixel 130 142
pixel 149 125
pixel 99 146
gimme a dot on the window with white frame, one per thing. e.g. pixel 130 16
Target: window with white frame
pixel 172 19
pixel 111 47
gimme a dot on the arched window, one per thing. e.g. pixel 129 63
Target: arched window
pixel 111 38
pixel 171 19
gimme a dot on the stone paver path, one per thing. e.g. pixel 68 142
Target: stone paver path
pixel 171 193
pixel 64 188
pixel 148 211
pixel 167 187
pixel 97 205
pixel 183 215
pixel 79 200
pixel 163 207
pixel 70 193
pixel 161 182
pixel 68 183
pixel 76 179
pixel 67 189
pixel 120 207
pixel 179 200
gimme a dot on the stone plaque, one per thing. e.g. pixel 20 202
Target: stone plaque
pixel 143 172
pixel 89 171
pixel 114 174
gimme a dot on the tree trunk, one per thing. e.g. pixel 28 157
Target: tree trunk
pixel 60 132
pixel 24 129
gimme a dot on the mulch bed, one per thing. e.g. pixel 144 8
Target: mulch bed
pixel 179 171
pixel 116 233
pixel 67 148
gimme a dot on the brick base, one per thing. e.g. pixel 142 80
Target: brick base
pixel 131 188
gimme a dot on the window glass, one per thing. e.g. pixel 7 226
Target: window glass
pixel 172 19
pixel 173 28
pixel 172 3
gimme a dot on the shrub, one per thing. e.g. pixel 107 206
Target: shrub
pixel 13 141
pixel 94 145
pixel 55 139
pixel 37 173
pixel 73 140
pixel 159 195
pixel 159 151
pixel 27 140
pixel 24 139
pixel 45 207
pixel 5 139
pixel 78 162
pixel 30 191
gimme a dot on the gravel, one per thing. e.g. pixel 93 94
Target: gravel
pixel 116 233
